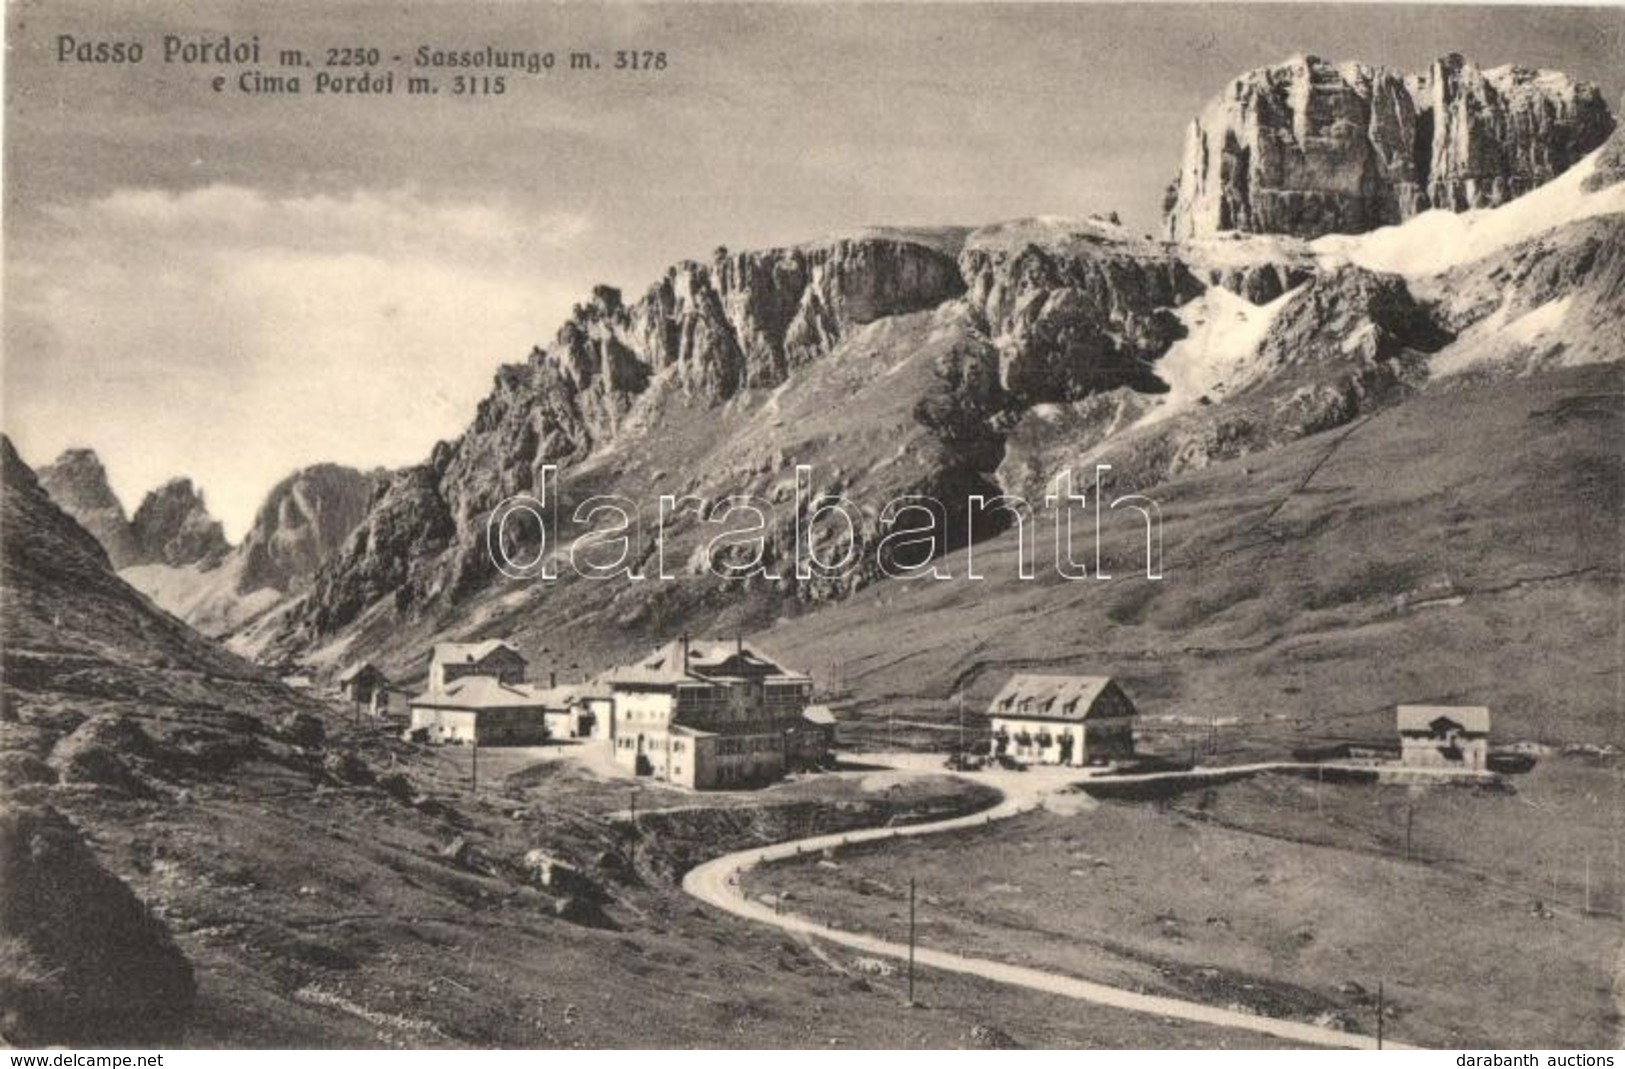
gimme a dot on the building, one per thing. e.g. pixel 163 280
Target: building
pixel 706 714
pixel 591 706
pixel 812 740
pixel 1444 736
pixel 362 683
pixel 1062 720
pixel 578 711
pixel 482 710
pixel 495 658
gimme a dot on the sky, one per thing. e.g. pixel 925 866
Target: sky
pixel 230 286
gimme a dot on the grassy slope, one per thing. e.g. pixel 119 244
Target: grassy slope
pixel 1288 896
pixel 323 914
pixel 1308 589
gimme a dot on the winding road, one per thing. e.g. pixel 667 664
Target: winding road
pixel 718 883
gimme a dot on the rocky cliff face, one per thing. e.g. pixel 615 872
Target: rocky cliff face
pixel 1075 309
pixel 306 518
pixel 173 527
pixel 1310 148
pixel 77 482
pixel 700 335
pixel 941 362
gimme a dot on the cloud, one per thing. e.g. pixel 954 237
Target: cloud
pixel 233 336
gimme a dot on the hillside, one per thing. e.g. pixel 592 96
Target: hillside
pixel 175 552
pixel 1207 374
pixel 1373 391
pixel 196 857
pixel 304 521
pixel 1410 555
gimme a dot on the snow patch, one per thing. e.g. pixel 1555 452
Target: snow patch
pixel 1436 241
pixel 1219 355
pixel 1502 334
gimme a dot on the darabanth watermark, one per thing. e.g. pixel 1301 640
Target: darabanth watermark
pixel 911 534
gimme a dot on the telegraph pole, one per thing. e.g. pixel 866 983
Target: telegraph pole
pixel 959 702
pixel 1379 1014
pixel 911 940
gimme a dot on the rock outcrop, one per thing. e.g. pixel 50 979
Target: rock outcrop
pixel 702 333
pixel 305 519
pixel 173 527
pixel 77 482
pixel 1311 148
pixel 946 362
pixel 67 611
pixel 1075 308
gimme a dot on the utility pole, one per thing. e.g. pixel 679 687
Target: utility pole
pixel 911 940
pixel 959 702
pixel 1379 1014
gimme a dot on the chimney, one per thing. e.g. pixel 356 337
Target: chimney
pixel 685 651
pixel 552 680
pixel 739 643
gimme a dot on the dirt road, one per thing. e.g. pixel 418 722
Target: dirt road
pixel 717 883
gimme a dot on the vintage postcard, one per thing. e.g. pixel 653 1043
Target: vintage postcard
pixel 812 525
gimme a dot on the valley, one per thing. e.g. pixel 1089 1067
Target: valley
pixel 1210 640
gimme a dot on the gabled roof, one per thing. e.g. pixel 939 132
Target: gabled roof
pixel 1049 697
pixel 471 652
pixel 355 670
pixel 485 692
pixel 707 661
pixel 663 665
pixel 574 692
pixel 818 714
pixel 1420 719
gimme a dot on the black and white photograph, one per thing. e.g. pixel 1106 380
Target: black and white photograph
pixel 812 526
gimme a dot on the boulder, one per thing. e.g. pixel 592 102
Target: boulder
pixel 82 961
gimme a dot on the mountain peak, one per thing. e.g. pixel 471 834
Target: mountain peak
pixel 77 482
pixel 173 526
pixel 1309 148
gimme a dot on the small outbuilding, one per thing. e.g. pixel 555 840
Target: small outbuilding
pixel 495 658
pixel 363 683
pixel 810 741
pixel 1444 736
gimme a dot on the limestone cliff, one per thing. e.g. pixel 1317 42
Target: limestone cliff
pixel 305 520
pixel 77 482
pixel 1309 148
pixel 173 526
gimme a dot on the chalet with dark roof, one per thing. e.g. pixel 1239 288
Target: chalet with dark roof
pixel 1062 720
